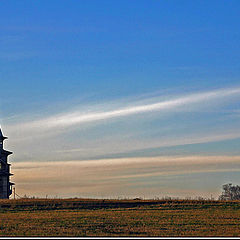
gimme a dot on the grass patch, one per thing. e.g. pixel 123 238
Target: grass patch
pixel 92 217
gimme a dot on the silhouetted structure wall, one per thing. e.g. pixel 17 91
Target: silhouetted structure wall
pixel 5 184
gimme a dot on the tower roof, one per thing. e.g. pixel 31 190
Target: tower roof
pixel 5 152
pixel 1 135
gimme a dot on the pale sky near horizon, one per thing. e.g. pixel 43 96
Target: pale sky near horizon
pixel 122 98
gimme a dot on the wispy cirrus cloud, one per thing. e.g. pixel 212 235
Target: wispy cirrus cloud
pixel 147 123
pixel 77 117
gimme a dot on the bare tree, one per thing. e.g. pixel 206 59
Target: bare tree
pixel 230 192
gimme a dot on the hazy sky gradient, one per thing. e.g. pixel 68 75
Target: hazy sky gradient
pixel 121 98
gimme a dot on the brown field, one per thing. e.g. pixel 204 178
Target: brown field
pixel 89 217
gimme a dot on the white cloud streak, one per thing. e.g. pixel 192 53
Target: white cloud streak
pixel 78 117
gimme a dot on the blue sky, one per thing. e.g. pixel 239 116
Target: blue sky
pixel 124 81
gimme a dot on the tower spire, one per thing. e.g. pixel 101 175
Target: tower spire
pixel 1 135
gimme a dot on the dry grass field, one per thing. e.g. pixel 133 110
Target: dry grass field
pixel 88 217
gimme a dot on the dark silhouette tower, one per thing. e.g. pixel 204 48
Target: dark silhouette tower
pixel 5 184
